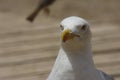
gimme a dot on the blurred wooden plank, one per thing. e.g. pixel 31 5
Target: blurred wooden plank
pixel 26 59
pixel 113 69
pixel 23 48
pixel 106 46
pixel 112 57
pixel 107 59
pixel 35 68
pixel 26 53
pixel 26 69
pixel 52 36
pixel 104 30
pixel 37 32
pixel 22 62
pixel 27 37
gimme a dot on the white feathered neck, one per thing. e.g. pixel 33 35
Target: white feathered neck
pixel 74 66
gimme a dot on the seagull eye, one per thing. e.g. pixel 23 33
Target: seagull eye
pixel 62 28
pixel 84 27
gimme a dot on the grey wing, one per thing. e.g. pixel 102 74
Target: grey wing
pixel 106 76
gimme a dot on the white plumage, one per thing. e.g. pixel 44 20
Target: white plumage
pixel 74 61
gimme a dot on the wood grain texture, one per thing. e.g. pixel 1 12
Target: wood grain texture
pixel 28 51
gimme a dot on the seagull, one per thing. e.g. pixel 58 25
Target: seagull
pixel 43 5
pixel 75 61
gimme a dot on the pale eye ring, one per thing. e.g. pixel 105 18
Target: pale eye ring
pixel 62 28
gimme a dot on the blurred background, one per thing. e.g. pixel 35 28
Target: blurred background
pixel 28 50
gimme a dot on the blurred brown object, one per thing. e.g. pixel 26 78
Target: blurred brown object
pixel 43 4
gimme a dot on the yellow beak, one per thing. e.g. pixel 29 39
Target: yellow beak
pixel 67 35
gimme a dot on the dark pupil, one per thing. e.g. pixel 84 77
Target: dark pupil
pixel 61 27
pixel 83 27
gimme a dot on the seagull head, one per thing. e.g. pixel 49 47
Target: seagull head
pixel 75 33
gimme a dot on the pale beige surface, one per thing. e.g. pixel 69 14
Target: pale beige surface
pixel 28 51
